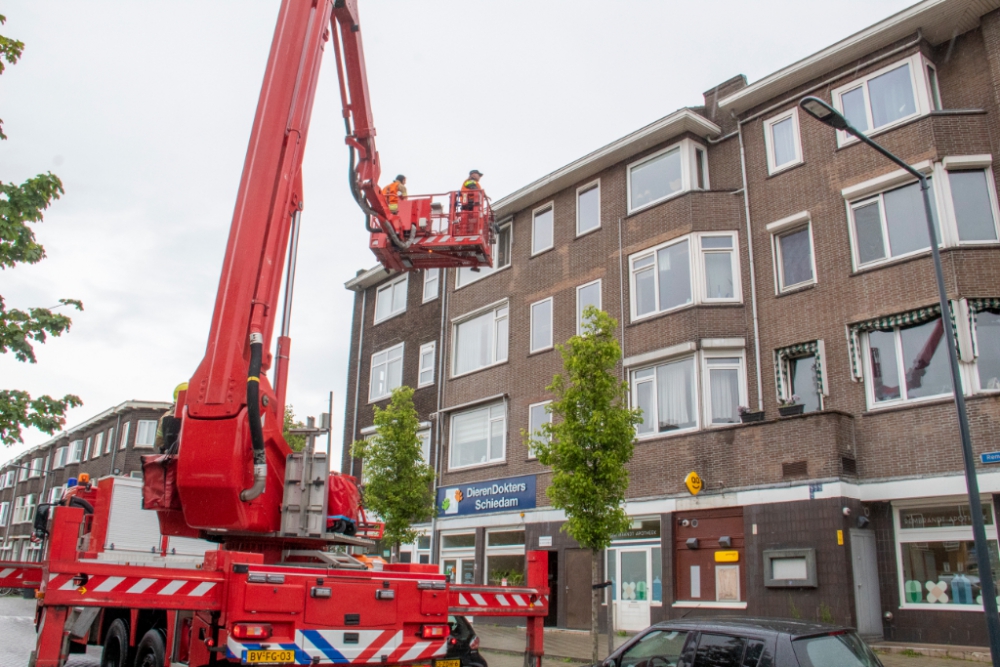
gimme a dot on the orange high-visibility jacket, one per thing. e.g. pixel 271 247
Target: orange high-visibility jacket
pixel 393 192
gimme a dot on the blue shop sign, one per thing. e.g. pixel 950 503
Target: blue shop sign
pixel 513 494
pixel 990 457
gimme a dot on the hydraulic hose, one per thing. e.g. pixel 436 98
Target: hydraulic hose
pixel 253 412
pixel 369 213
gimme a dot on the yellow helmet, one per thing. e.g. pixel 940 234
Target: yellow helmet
pixel 178 389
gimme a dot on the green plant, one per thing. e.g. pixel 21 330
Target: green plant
pixel 296 441
pixel 622 633
pixel 793 611
pixel 825 613
pixel 910 653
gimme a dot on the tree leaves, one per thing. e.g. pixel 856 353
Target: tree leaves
pixel 18 328
pixel 297 441
pixel 396 480
pixel 20 205
pixel 10 50
pixel 591 437
pixel 45 413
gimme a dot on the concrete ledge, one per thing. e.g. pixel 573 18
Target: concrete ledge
pixel 973 653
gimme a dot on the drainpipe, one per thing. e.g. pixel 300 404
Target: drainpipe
pixel 753 273
pixel 357 376
pixel 441 369
pixel 621 291
pixel 114 449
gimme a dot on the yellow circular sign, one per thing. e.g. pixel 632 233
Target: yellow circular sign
pixel 693 483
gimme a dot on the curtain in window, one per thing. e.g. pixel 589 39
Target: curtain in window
pixel 782 356
pixel 891 96
pixel 725 387
pixel 473 340
pixel 783 139
pixel 674 384
pixel 888 323
pixel 470 435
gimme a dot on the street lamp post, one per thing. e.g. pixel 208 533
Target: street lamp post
pixel 827 115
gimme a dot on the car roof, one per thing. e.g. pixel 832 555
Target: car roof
pixel 792 627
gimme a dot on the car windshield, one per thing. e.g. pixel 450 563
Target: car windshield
pixel 659 648
pixel 843 649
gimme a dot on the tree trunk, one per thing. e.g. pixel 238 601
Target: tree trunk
pixel 595 601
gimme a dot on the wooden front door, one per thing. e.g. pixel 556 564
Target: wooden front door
pixel 576 592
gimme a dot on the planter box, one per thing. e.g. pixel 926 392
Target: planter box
pixel 791 410
pixel 749 417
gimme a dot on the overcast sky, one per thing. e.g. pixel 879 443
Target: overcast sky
pixel 144 111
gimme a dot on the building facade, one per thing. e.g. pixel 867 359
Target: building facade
pixel 755 260
pixel 110 443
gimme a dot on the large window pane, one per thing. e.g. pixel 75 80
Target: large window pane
pixel 656 178
pixel 501 258
pixel 675 395
pixel 588 295
pixel 906 219
pixel 634 584
pixel 477 436
pixel 796 258
pixel 537 416
pixel 588 216
pixel 891 96
pixel 885 370
pixel 719 275
pixel 725 389
pixel 644 400
pixel 854 108
pixel 925 357
pixel 502 326
pixel 541 325
pixel 868 232
pixel 783 141
pixel 944 573
pixel 988 347
pixel 645 286
pixel 802 372
pixel 541 231
pixel 719 651
pixel 674 274
pixel 474 343
pixel 973 209
pixel 505 570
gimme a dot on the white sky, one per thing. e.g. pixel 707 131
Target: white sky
pixel 144 111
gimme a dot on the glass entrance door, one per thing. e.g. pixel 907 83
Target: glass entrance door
pixel 633 594
pixel 460 570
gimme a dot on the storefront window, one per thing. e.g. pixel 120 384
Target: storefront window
pixel 505 558
pixel 462 541
pixel 458 557
pixel 938 564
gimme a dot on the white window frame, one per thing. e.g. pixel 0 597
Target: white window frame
pixel 697 277
pixel 901 368
pixel 109 440
pixel 950 231
pixel 56 493
pixel 948 534
pixel 390 287
pixel 36 468
pixel 922 101
pixel 600 302
pixel 485 271
pixel 505 550
pixel 22 470
pixel 126 427
pixel 435 282
pixel 696 392
pixel 531 330
pixel 548 207
pixel 372 398
pixel 457 322
pixel 489 421
pixel 430 347
pixel 99 444
pixel 772 167
pixel 59 461
pixel 424 435
pixel 780 229
pixel 4 513
pixel 145 424
pixel 706 382
pixel 11 477
pixel 689 177
pixel 548 420
pixel 587 187
pixel 75 452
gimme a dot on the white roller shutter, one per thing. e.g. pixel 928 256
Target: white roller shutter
pixel 131 528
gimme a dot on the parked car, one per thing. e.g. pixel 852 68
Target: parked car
pixel 743 642
pixel 463 645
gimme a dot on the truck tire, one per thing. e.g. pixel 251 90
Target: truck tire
pixel 116 649
pixel 151 650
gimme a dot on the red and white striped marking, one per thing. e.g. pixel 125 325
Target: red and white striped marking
pixel 99 583
pixel 20 577
pixel 485 601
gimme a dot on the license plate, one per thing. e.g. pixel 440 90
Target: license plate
pixel 270 657
pixel 447 663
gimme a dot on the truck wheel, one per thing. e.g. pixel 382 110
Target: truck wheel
pixel 116 649
pixel 151 650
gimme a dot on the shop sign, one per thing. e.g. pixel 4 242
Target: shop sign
pixel 514 494
pixel 644 529
pixel 693 483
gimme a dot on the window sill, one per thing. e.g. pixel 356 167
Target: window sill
pixel 541 351
pixel 902 122
pixel 894 261
pixel 695 604
pixel 388 317
pixel 482 277
pixel 478 370
pixel 908 405
pixel 785 168
pixel 709 304
pixel 654 204
pixel 580 235
pixel 475 466
pixel 667 434
pixel 928 606
pixel 433 298
pixel 425 385
pixel 796 290
pixel 541 252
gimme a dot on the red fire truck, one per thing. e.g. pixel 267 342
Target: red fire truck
pixel 278 586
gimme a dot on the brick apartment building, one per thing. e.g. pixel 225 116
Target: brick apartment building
pixel 750 254
pixel 110 443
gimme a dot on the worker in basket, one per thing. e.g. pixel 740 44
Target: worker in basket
pixel 472 192
pixel 393 192
pixel 74 486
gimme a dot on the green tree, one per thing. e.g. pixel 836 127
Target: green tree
pixel 588 443
pixel 20 206
pixel 297 441
pixel 397 480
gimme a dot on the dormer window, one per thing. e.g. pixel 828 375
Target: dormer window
pixel 667 173
pixel 887 97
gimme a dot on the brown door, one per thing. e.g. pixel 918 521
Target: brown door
pixel 576 598
pixel 698 576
